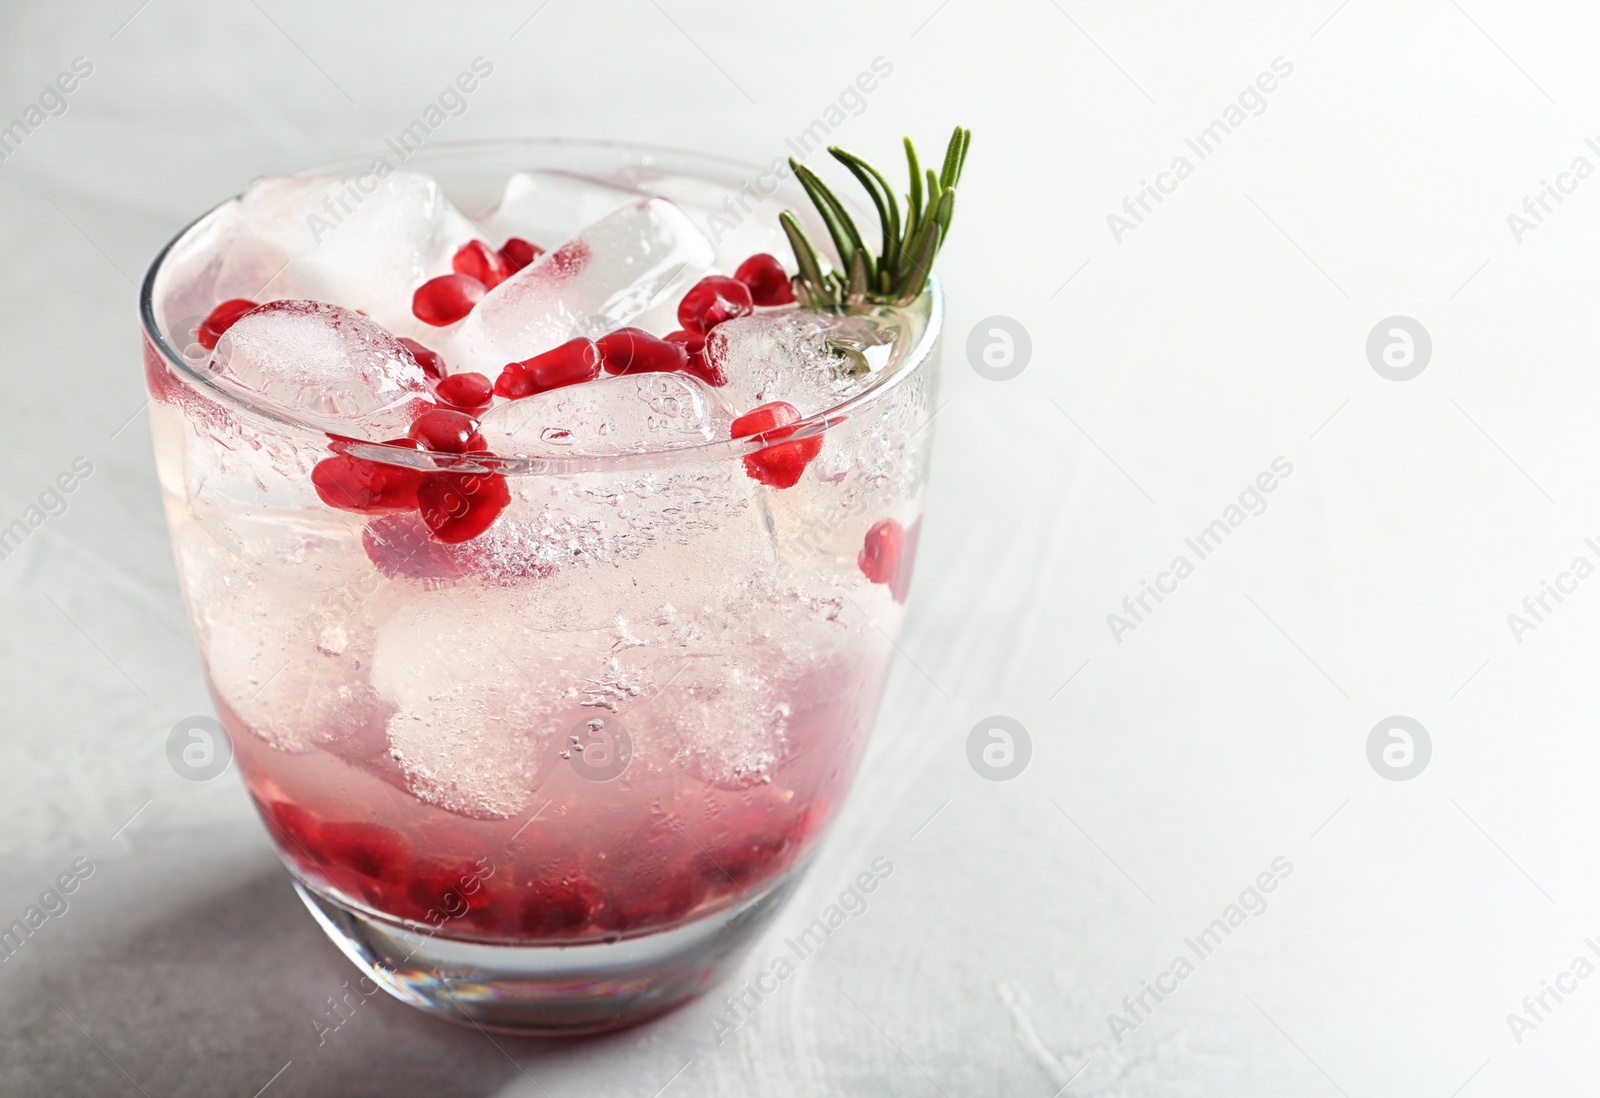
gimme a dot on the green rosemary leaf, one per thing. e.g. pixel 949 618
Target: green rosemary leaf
pixel 916 272
pixel 915 244
pixel 951 152
pixel 828 207
pixel 901 271
pixel 846 237
pixel 914 199
pixel 915 276
pixel 954 154
pixel 947 208
pixel 961 162
pixel 882 197
pixel 856 293
pixel 805 254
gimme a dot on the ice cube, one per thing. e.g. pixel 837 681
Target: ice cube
pixel 813 360
pixel 361 241
pixel 288 662
pixel 324 365
pixel 615 270
pixel 549 207
pixel 658 564
pixel 633 413
pixel 482 700
pixel 739 218
pixel 727 719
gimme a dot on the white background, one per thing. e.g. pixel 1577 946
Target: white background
pixel 1168 370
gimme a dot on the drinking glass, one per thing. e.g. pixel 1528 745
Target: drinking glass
pixel 555 779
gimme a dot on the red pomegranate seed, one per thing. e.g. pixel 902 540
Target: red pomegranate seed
pixel 470 392
pixel 431 363
pixel 768 281
pixel 880 551
pixel 887 554
pixel 776 466
pixel 400 545
pixel 453 886
pixel 458 507
pixel 475 259
pixel 575 361
pixel 700 363
pixel 711 301
pixel 636 351
pixel 446 431
pixel 518 253
pixel 446 299
pixel 220 319
pixel 748 858
pixel 657 904
pixel 562 904
pixel 370 487
pixel 295 829
pixel 705 365
pixel 369 849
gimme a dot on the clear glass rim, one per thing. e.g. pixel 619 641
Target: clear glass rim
pixel 817 423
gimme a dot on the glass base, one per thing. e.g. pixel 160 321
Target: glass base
pixel 547 990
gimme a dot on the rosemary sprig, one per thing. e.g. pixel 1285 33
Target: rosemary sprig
pixel 898 272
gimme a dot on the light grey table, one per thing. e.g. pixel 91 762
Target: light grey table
pixel 1193 326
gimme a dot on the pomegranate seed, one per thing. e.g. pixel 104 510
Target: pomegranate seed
pixel 295 829
pixel 656 905
pixel 470 392
pixel 880 552
pixel 220 319
pixel 400 547
pixel 553 906
pixel 711 301
pixel 446 431
pixel 705 365
pixel 369 849
pixel 887 554
pixel 777 466
pixel 366 860
pixel 700 363
pixel 636 351
pixel 370 487
pixel 459 506
pixel 575 361
pixel 518 253
pixel 446 299
pixel 768 281
pixel 744 860
pixel 444 884
pixel 475 259
pixel 431 363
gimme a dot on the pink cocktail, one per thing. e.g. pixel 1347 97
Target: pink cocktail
pixel 544 555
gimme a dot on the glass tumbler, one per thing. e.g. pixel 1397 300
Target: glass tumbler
pixel 556 778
